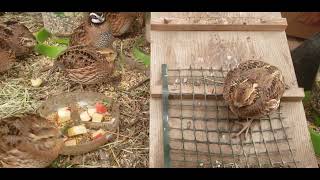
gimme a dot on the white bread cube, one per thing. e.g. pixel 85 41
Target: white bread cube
pixel 64 114
pixel 97 133
pixel 91 111
pixel 96 117
pixel 84 116
pixel 77 130
pixel 71 142
pixel 36 82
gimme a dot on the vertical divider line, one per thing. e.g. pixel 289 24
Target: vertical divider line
pixel 165 116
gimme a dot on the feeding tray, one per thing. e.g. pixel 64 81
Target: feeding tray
pixel 83 100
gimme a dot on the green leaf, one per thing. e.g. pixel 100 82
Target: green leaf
pixel 42 35
pixel 64 41
pixel 141 57
pixel 50 51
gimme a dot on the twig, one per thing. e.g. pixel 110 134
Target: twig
pixel 139 84
pixel 115 158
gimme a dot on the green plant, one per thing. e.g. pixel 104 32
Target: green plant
pixel 315 138
pixel 52 51
pixel 139 55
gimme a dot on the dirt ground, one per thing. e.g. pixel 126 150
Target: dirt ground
pixel 131 147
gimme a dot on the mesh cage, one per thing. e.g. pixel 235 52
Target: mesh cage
pixel 199 128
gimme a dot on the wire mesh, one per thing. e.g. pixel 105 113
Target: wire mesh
pixel 199 127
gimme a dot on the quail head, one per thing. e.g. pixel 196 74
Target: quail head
pixel 94 32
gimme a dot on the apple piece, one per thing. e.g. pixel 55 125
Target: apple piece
pixel 101 108
pixel 77 130
pixel 96 117
pixel 84 116
pixel 71 142
pixel 97 134
pixel 64 114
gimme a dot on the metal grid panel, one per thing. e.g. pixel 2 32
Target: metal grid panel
pixel 198 127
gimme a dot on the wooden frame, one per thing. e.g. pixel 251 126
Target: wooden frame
pixel 218 24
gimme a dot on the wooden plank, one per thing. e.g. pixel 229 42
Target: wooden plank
pixel 213 49
pixel 292 94
pixel 218 24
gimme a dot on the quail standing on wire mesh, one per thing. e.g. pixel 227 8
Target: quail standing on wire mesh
pixel 253 89
pixel 93 32
pixel 15 41
pixel 29 141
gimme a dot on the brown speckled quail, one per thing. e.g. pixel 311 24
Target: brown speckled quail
pixel 15 41
pixel 19 38
pixel 7 55
pixel 93 32
pixel 253 89
pixel 86 64
pixel 29 141
pixel 120 22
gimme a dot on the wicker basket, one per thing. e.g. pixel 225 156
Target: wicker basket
pixel 62 24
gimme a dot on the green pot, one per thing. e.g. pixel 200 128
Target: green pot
pixel 315 138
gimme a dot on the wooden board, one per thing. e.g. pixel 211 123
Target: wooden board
pixel 180 49
pixel 302 25
pixel 293 94
pixel 218 24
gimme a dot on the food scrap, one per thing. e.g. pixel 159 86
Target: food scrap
pixel 77 134
pixel 77 130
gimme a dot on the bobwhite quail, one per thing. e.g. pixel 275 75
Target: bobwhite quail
pixel 253 89
pixel 15 41
pixel 29 141
pixel 120 22
pixel 93 32
pixel 86 65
